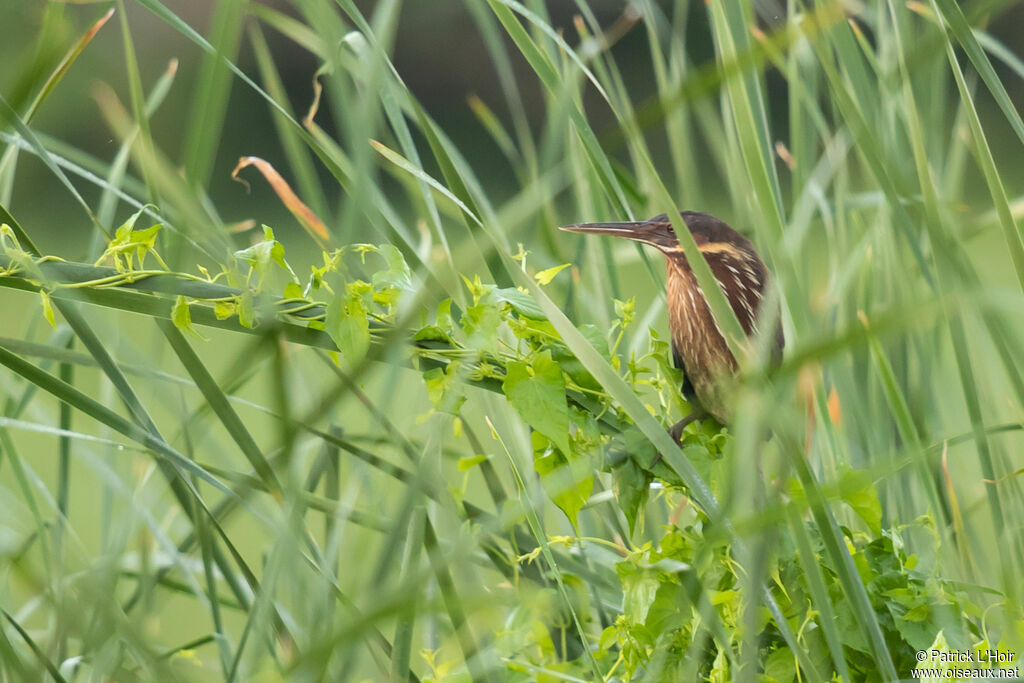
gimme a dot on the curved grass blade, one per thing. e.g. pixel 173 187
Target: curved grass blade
pixel 50 667
pixel 90 407
pixel 210 98
pixel 64 433
pixel 54 79
pixel 116 173
pixel 552 81
pixel 958 24
pixel 9 116
pixel 138 100
pixel 219 404
pixel 402 640
pixel 42 527
pixel 299 157
pixel 819 591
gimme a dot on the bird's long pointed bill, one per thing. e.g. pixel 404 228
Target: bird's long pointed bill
pixel 634 230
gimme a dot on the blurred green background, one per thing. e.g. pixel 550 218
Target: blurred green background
pixel 441 57
pixel 853 261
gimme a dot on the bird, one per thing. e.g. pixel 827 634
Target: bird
pixel 699 348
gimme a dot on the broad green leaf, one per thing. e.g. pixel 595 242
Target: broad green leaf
pixel 480 323
pixel 225 309
pixel 130 245
pixel 397 274
pixel 347 322
pixel 572 366
pixel 521 302
pixel 639 588
pixel 537 392
pixel 857 490
pixel 262 255
pixel 246 310
pixel 630 482
pixel 180 314
pixel 780 666
pixel 447 393
pixel 568 480
pixel 443 327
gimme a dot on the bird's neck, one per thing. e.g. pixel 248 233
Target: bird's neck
pixel 684 302
pixel 691 323
pixel 678 269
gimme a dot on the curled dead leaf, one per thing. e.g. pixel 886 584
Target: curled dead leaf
pixel 318 90
pixel 309 220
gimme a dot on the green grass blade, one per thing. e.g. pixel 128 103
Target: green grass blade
pixel 219 403
pixel 299 157
pixel 50 667
pixel 210 99
pixel 116 175
pixel 402 641
pixel 10 117
pixel 553 83
pixel 819 591
pixel 959 26
pixel 1011 233
pixel 83 403
pixel 138 98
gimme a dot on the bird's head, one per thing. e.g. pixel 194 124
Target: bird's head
pixel 657 232
pixel 713 237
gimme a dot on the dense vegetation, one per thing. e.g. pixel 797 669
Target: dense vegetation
pixel 422 442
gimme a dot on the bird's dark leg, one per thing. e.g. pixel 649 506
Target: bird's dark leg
pixel 676 432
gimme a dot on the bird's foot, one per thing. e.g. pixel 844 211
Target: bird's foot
pixel 676 430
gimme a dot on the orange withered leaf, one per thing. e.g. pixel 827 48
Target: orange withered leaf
pixel 309 220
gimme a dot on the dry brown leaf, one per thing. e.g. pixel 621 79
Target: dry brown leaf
pixel 241 226
pixel 318 91
pixel 835 408
pixel 783 152
pixel 309 220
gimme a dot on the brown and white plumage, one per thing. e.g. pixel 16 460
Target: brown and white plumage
pixel 698 345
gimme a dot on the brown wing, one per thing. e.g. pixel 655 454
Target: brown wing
pixel 742 278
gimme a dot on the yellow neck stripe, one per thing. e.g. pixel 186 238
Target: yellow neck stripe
pixel 710 248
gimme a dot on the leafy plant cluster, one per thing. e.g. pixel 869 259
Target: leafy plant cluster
pixel 668 627
pixel 680 612
pixel 503 338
